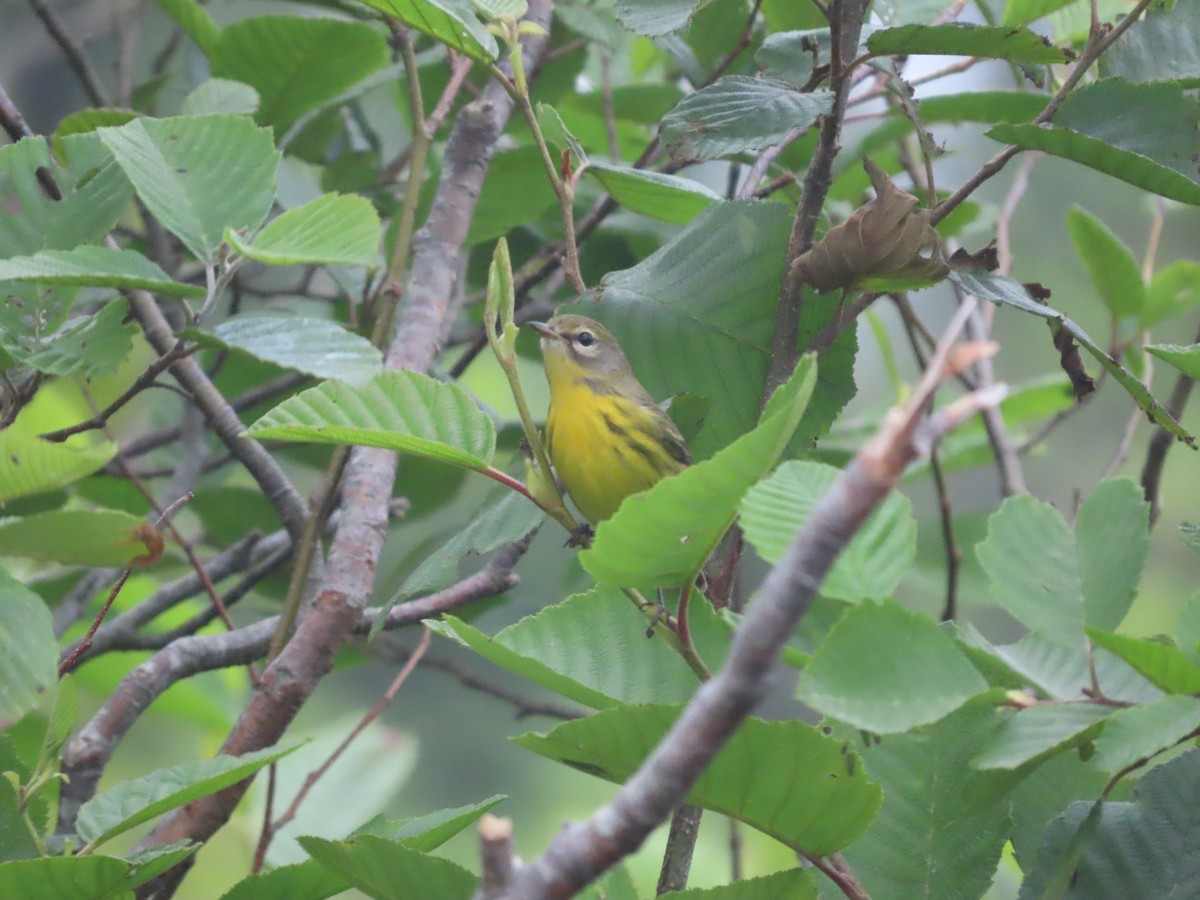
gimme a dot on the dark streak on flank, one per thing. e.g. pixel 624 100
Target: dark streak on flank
pixel 612 426
pixel 648 453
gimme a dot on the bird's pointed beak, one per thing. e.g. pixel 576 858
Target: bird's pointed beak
pixel 543 329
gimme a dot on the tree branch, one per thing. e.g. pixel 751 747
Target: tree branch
pixel 370 473
pixel 90 750
pixel 845 20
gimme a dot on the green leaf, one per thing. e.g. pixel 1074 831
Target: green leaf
pixel 65 878
pixel 738 113
pixel 297 64
pixel 391 871
pixel 194 20
pixel 931 839
pixel 61 722
pixel 655 18
pixel 315 346
pixel 153 861
pixel 1022 12
pixel 221 96
pixel 1173 290
pixel 886 670
pixel 130 803
pixel 1007 292
pixel 448 21
pixel 1160 661
pixel 1018 45
pixel 95 267
pixel 1030 557
pixel 1043 793
pixel 302 881
pixel 1117 851
pixel 504 517
pixel 668 198
pixel 557 648
pixel 312 881
pixel 1094 153
pixel 679 298
pixel 94 189
pixel 1163 45
pixel 1113 535
pixel 199 175
pixel 1061 672
pixel 1141 731
pixel 87 345
pixel 788 56
pixel 515 192
pixel 1033 734
pixel 1144 134
pixel 1115 273
pixel 982 106
pixel 76 537
pixel 786 779
pixel 29 663
pixel 662 536
pixel 1185 359
pixel 86 121
pixel 30 465
pixel 403 411
pixel 428 832
pixel 790 884
pixel 874 562
pixel 331 229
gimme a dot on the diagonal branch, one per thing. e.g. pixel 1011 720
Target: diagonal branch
pixel 582 851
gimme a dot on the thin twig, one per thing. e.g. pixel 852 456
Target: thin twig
pixel 1162 441
pixel 524 706
pixel 739 48
pixel 371 715
pixel 76 58
pixel 945 512
pixel 141 383
pixel 72 659
pixel 610 118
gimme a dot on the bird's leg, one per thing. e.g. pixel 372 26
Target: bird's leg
pixel 660 614
pixel 581 536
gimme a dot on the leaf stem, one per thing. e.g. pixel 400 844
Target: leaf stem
pixel 519 91
pixel 421 139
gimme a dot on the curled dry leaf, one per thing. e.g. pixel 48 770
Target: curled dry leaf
pixel 152 538
pixel 888 244
pixel 1072 362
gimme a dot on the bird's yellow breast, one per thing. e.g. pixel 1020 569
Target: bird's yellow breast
pixel 601 444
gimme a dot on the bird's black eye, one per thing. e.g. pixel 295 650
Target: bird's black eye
pixel 585 339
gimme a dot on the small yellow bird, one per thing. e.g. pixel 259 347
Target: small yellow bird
pixel 605 434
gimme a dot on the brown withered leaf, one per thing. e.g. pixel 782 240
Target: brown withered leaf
pixel 1072 362
pixel 987 259
pixel 888 244
pixel 153 539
